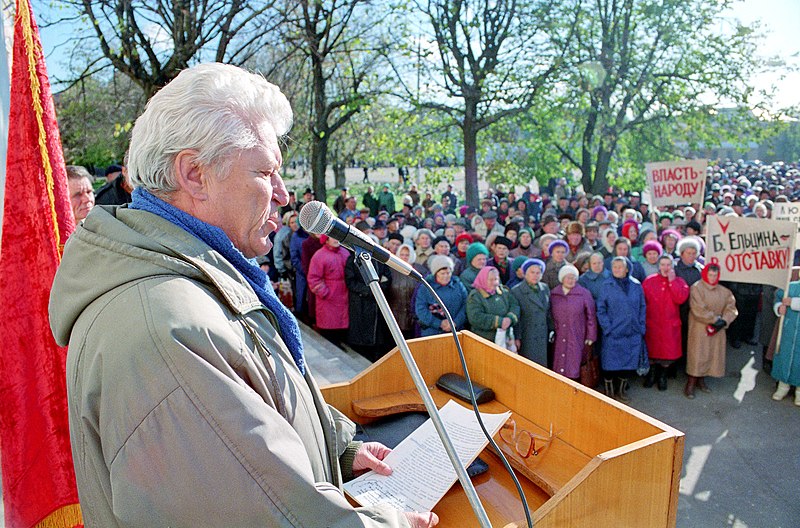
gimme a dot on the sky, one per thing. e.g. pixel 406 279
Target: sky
pixel 780 20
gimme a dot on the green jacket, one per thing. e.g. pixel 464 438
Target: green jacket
pixel 185 406
pixel 485 312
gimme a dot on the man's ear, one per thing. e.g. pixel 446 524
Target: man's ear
pixel 190 177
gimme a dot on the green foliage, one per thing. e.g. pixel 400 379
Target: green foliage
pixel 95 118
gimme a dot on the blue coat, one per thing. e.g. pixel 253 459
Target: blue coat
pixel 301 285
pixel 621 316
pixel 786 363
pixel 594 281
pixel 454 297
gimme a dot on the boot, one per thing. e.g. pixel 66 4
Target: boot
pixel 622 392
pixel 608 387
pixel 782 391
pixel 650 378
pixel 662 378
pixel 701 384
pixel 688 390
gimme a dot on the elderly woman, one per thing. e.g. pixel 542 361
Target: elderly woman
pixel 689 269
pixel 535 320
pixel 326 281
pixel 621 313
pixel 669 241
pixel 205 374
pixel 593 279
pixel 712 308
pixel 574 321
pixel 490 305
pixel 622 248
pixel 423 242
pixel 664 293
pixel 651 251
pixel 401 291
pixel 525 246
pixel 477 256
pixel 450 290
pixel 576 239
pixel 557 250
pixel 607 238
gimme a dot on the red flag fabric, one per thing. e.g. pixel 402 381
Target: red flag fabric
pixel 38 477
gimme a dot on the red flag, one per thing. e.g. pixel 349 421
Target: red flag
pixel 38 477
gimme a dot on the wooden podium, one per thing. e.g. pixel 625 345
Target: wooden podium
pixel 607 466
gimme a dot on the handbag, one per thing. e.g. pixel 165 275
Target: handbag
pixel 590 369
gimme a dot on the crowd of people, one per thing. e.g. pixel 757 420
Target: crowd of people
pixel 553 275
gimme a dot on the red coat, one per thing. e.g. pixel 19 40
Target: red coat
pixel 663 322
pixel 326 280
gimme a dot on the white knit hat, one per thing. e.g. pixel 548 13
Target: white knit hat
pixel 567 270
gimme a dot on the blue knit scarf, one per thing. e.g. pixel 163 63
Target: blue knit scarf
pixel 219 241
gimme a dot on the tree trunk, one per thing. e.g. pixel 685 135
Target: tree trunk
pixel 319 132
pixel 470 131
pixel 319 162
pixel 604 153
pixel 339 175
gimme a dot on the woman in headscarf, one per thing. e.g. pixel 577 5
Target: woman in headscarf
pixel 557 250
pixel 450 290
pixel 490 305
pixel 401 291
pixel 574 321
pixel 711 308
pixel 535 319
pixel 664 293
pixel 525 246
pixel 459 252
pixel 621 313
pixel 593 279
pixel 622 248
pixel 423 243
pixel 477 255
pixel 607 238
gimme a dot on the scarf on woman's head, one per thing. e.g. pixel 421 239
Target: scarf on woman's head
pixel 219 241
pixel 481 281
pixel 713 265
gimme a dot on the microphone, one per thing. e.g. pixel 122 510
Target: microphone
pixel 317 218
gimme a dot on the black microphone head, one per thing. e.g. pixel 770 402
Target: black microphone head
pixel 316 217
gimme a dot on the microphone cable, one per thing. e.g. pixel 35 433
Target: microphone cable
pixel 464 368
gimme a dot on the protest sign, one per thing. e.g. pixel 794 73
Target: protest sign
pixel 751 250
pixel 676 182
pixel 789 211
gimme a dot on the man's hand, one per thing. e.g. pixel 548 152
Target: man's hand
pixel 370 456
pixel 422 520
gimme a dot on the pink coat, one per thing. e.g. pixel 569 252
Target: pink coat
pixel 326 280
pixel 663 323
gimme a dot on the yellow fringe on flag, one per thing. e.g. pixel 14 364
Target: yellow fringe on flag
pixel 24 18
pixel 66 517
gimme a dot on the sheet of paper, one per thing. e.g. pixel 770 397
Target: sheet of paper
pixel 421 469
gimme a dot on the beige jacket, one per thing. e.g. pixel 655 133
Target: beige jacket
pixel 186 408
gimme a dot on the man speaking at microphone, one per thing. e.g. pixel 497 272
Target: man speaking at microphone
pixel 189 398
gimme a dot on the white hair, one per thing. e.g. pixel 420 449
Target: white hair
pixel 215 109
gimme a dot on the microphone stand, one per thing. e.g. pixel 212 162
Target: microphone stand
pixel 363 262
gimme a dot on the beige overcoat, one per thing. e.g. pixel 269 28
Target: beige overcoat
pixel 705 355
